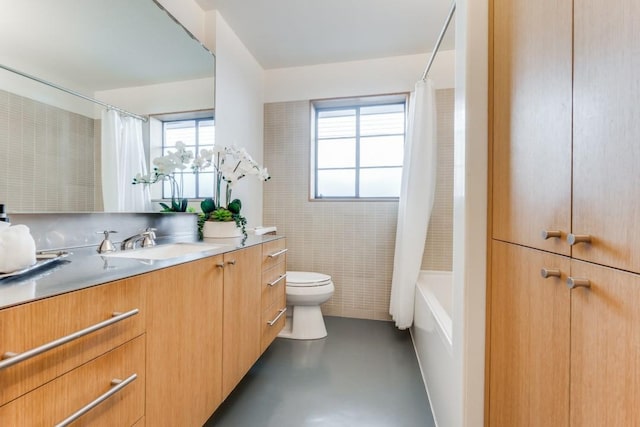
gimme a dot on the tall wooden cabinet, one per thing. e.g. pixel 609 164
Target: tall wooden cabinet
pixel 565 122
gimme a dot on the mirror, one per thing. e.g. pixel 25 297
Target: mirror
pixel 127 53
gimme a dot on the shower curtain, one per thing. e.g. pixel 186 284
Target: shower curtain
pixel 416 201
pixel 122 158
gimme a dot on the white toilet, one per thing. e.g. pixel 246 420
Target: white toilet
pixel 305 292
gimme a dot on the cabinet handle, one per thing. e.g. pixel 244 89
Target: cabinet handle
pixel 277 254
pixel 548 234
pixel 578 238
pixel 117 384
pixel 11 359
pixel 232 262
pixel 273 322
pixel 578 283
pixel 220 265
pixel 275 282
pixel 549 272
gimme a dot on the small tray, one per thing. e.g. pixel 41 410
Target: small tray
pixel 42 259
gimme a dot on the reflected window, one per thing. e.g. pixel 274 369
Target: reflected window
pixel 358 147
pixel 196 134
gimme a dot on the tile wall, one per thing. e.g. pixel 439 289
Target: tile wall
pixel 352 241
pixel 47 157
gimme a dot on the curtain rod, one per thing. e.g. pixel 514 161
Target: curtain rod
pixel 440 37
pixel 73 92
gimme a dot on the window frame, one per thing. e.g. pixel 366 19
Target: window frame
pixel 153 134
pixel 356 103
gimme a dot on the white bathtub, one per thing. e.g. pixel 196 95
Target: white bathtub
pixel 431 333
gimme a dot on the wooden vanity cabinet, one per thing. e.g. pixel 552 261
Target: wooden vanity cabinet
pixel 242 315
pixel 191 333
pixel 72 372
pixel 184 343
pixel 56 400
pixel 274 297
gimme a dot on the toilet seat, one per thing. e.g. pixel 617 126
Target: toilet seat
pixel 300 279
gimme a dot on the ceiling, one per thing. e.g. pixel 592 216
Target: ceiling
pixel 290 33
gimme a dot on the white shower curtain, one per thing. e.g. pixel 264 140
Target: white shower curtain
pixel 416 201
pixel 122 158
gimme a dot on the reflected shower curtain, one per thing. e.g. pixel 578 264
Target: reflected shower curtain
pixel 416 201
pixel 122 158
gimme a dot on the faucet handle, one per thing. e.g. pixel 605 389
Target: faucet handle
pixel 106 245
pixel 151 231
pixel 149 237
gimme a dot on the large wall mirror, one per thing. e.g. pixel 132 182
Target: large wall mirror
pixel 127 53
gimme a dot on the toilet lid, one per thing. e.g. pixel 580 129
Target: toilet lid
pixel 307 278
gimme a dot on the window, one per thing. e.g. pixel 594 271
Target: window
pixel 358 147
pixel 196 134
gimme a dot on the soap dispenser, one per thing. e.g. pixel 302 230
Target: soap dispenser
pixel 106 245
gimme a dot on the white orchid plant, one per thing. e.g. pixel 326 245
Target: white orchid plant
pixel 164 169
pixel 230 165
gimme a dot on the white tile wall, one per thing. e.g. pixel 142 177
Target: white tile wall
pixel 352 241
pixel 47 157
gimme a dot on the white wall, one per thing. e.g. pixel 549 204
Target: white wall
pixel 239 110
pixel 356 78
pixel 470 210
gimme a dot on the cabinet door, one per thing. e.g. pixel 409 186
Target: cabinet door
pixel 184 336
pixel 242 314
pixel 529 375
pixel 605 347
pixel 606 194
pixel 531 122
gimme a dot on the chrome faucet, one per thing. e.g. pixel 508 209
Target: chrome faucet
pixel 146 238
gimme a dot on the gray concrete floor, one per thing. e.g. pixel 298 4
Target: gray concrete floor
pixel 365 373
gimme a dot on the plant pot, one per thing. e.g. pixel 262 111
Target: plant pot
pixel 220 230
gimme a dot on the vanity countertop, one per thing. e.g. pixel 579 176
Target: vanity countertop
pixel 84 267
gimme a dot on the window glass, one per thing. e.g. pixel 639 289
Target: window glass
pixel 358 147
pixel 196 134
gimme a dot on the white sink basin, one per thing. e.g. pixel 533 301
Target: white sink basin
pixel 170 250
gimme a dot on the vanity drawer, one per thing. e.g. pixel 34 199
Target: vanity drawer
pixel 70 318
pixel 62 397
pixel 273 285
pixel 273 253
pixel 273 320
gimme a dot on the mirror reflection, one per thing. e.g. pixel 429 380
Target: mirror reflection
pixel 129 54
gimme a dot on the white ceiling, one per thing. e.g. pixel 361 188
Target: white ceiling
pixel 288 33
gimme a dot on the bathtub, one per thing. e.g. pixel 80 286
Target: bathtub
pixel 431 334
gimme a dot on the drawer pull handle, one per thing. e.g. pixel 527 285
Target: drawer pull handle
pixel 11 359
pixel 573 239
pixel 548 234
pixel 117 384
pixel 275 282
pixel 549 272
pixel 277 254
pixel 273 322
pixel 578 283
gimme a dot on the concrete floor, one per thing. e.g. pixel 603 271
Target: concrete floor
pixel 365 373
